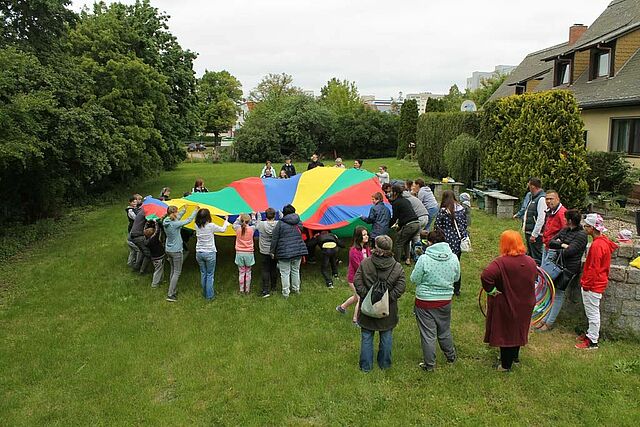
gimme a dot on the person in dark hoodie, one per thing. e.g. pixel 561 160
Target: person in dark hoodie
pixel 156 248
pixel 289 248
pixel 136 235
pixel 407 222
pixel 381 265
pixel 379 216
pixel 329 246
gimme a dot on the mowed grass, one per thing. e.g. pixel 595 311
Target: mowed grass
pixel 86 341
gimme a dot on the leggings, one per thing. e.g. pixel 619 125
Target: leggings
pixel 508 355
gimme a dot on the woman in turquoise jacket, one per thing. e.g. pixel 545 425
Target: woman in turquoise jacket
pixel 434 274
pixel 172 224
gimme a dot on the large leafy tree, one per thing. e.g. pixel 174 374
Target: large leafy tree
pixel 407 128
pixel 218 94
pixel 341 96
pixel 274 86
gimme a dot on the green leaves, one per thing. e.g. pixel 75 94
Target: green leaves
pixel 408 127
pixel 218 95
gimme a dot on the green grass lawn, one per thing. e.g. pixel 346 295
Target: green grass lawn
pixel 86 341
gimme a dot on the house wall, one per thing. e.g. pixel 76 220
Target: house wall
pixel 532 84
pixel 597 123
pixel 580 64
pixel 626 46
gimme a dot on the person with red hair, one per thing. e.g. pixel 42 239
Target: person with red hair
pixel 509 281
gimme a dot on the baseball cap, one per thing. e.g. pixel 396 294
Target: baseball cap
pixel 595 221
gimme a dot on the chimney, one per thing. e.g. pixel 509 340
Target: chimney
pixel 575 32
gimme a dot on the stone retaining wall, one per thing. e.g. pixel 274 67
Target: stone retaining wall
pixel 620 306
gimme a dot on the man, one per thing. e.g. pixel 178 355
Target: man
pixel 424 193
pixel 554 219
pixel 523 206
pixel 533 221
pixel 423 218
pixel 314 162
pixel 339 163
pixel 288 167
pixel 595 278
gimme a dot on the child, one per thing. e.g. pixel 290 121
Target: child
pixel 283 174
pixel 383 175
pixel 269 264
pixel 198 186
pixel 465 201
pixel 165 194
pixel 244 251
pixel 268 171
pixel 152 234
pixel 329 245
pixel 358 252
pixel 132 211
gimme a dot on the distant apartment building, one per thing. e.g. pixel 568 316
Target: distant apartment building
pixel 477 77
pixel 422 99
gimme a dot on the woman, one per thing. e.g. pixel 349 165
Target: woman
pixel 289 248
pixel 173 247
pixel 206 250
pixel 566 249
pixel 199 187
pixel 358 252
pixel 407 221
pixel 452 220
pixel 434 275
pixel 509 282
pixel 380 266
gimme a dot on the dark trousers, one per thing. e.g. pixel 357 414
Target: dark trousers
pixel 435 324
pixel 534 249
pixel 456 284
pixel 269 274
pixel 508 355
pixel 141 264
pixel 329 258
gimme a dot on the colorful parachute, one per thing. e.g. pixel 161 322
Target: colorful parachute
pixel 324 197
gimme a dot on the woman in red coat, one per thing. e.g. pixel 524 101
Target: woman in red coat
pixel 510 283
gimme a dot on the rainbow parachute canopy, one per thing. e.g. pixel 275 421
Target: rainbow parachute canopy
pixel 326 198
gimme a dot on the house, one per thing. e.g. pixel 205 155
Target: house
pixel 600 64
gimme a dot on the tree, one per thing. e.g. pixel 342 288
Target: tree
pixel 486 89
pixel 434 105
pixel 218 95
pixel 407 128
pixel 341 97
pixel 453 100
pixel 274 86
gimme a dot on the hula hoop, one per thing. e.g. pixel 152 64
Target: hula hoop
pixel 545 294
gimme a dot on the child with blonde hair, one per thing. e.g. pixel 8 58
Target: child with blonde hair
pixel 244 251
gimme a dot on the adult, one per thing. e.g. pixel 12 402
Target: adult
pixel 383 175
pixel 269 264
pixel 565 249
pixel 314 163
pixel 595 278
pixel 533 220
pixel 405 218
pixel 523 206
pixel 421 213
pixel 379 216
pixel 289 248
pixel 509 281
pixel 380 266
pixel 173 246
pixel 206 250
pixel 434 275
pixel 339 163
pixel 288 167
pixel 198 186
pixel 452 220
pixel 268 170
pixel 554 219
pixel 426 197
pixel 357 164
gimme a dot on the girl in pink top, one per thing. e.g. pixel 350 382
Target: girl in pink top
pixel 244 251
pixel 359 251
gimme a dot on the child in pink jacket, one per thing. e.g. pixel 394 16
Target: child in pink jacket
pixel 358 252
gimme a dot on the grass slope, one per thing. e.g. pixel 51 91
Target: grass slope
pixel 85 341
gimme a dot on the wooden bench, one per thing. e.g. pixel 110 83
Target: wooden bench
pixel 500 204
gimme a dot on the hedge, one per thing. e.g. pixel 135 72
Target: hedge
pixel 435 130
pixel 536 134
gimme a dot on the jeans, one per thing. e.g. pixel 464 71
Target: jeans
pixel 424 223
pixel 269 273
pixel 329 259
pixel 555 308
pixel 433 212
pixel 534 249
pixel 175 261
pixel 591 302
pixel 207 263
pixel 384 349
pixel 435 323
pixel 290 274
pixel 402 250
pixel 158 271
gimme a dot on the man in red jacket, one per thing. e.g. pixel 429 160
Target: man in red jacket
pixel 595 278
pixel 554 220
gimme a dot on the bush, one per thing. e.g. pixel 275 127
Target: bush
pixel 408 127
pixel 536 134
pixel 609 172
pixel 462 158
pixel 435 130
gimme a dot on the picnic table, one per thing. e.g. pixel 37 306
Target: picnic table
pixel 500 204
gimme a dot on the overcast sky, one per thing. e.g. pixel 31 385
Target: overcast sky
pixel 384 46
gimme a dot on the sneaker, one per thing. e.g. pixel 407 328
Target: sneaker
pixel 172 298
pixel 330 285
pixel 355 323
pixel 580 337
pixel 335 276
pixel 499 368
pixel 587 345
pixel 424 367
pixel 452 360
pixel 266 295
pixel 341 310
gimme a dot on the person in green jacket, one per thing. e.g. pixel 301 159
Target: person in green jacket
pixel 434 274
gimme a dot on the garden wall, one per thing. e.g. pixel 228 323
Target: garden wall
pixel 620 307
